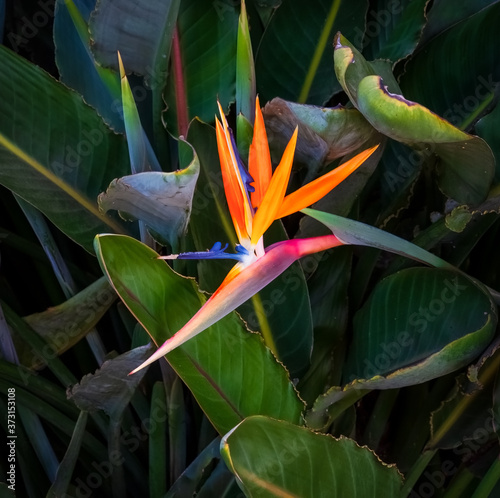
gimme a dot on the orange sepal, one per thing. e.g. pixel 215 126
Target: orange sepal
pixel 232 189
pixel 259 158
pixel 317 189
pixel 275 193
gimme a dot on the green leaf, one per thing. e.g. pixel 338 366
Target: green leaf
pixel 456 33
pixel 245 70
pixel 141 30
pixel 325 134
pixel 393 29
pixel 271 458
pixel 110 388
pixel 65 154
pixel 303 72
pixel 65 471
pixel 418 324
pixel 133 128
pixel 413 124
pixel 161 200
pixel 218 365
pixel 208 39
pixel 99 86
pixel 356 233
pixel 64 325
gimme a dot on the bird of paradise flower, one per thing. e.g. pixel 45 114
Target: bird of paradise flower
pixel 256 198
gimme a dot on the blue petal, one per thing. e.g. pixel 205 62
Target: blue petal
pixel 217 252
pixel 245 175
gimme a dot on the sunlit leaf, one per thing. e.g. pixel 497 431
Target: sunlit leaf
pixel 411 123
pixel 211 362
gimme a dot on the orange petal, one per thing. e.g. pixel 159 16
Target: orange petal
pixel 234 187
pixel 317 189
pixel 259 158
pixel 231 187
pixel 273 198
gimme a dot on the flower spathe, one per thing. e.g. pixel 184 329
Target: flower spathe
pixel 255 199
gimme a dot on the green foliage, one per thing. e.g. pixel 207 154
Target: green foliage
pixel 357 371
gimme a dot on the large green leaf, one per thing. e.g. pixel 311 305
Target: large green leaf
pixel 418 324
pixel 229 370
pixel 303 71
pixel 411 123
pixel 435 316
pixel 56 152
pixel 141 30
pixel 457 57
pixel 272 458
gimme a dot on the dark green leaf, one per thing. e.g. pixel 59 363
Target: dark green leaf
pixel 464 35
pixel 419 324
pixel 270 458
pixel 64 325
pixel 393 29
pixel 207 37
pixel 303 71
pixel 65 154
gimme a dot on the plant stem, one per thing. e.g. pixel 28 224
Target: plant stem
pixel 416 471
pixel 180 90
pixel 489 481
